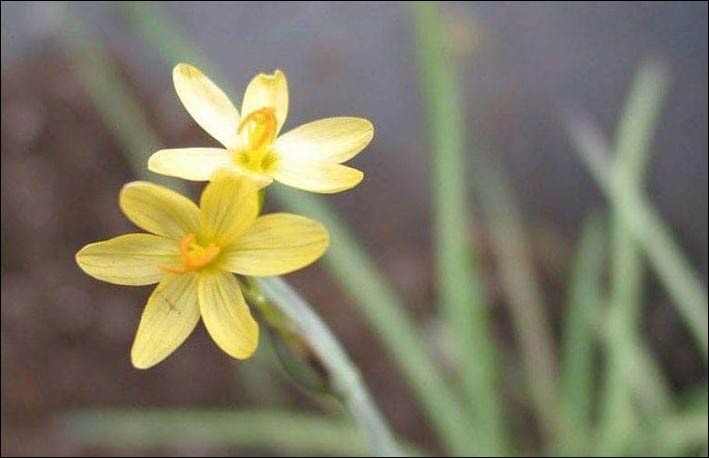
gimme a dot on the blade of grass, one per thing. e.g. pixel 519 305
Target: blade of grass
pixel 636 125
pixel 649 230
pixel 521 290
pixel 131 429
pixel 349 264
pixel 584 296
pixel 644 375
pixel 87 52
pixel 460 286
pixel 685 432
pixel 126 119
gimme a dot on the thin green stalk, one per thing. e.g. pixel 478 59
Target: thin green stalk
pixel 125 118
pixel 88 55
pixel 522 291
pixel 578 337
pixel 345 379
pixel 460 286
pixel 142 15
pixel 650 231
pixel 356 272
pixel 684 432
pixel 636 125
pixel 131 429
pixel 681 434
pixel 358 275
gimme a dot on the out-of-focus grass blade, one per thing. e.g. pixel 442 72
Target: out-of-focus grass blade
pixel 126 118
pixel 460 287
pixel 522 291
pixel 649 230
pixel 288 432
pixel 636 125
pixel 644 375
pixel 683 433
pixel 583 305
pixel 166 43
pixel 352 267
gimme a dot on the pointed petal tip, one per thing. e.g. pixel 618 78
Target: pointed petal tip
pixel 226 315
pixel 140 364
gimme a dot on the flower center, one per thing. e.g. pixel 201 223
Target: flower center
pixel 193 256
pixel 257 130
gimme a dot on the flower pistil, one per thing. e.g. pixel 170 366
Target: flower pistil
pixel 258 130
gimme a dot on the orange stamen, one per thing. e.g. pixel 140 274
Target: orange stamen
pixel 192 255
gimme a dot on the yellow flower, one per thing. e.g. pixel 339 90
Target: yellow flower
pixel 309 157
pixel 191 253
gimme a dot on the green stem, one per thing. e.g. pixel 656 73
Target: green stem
pixel 129 429
pixel 578 337
pixel 460 286
pixel 125 117
pixel 524 295
pixel 637 122
pixel 344 377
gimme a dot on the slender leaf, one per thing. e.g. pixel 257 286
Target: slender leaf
pixel 650 231
pixel 522 291
pixel 578 338
pixel 636 125
pixel 131 429
pixel 460 286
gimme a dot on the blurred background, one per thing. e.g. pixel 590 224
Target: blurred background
pixel 522 69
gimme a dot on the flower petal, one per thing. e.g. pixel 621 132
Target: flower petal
pixel 159 210
pixel 196 164
pixel 333 140
pixel 207 104
pixel 131 259
pixel 169 317
pixel 276 244
pixel 226 315
pixel 319 177
pixel 229 206
pixel 260 180
pixel 267 91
